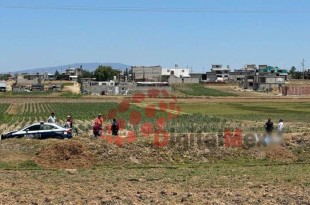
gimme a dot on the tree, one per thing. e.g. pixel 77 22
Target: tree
pixel 105 73
pixel 292 70
pixel 86 74
pixel 5 76
pixel 125 74
pixel 295 74
pixel 56 75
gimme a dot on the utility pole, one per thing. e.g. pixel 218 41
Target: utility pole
pixel 303 68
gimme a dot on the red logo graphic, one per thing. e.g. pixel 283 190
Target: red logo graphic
pixel 148 121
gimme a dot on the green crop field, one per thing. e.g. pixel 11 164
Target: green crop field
pixel 257 111
pixel 195 117
pixel 84 113
pixel 199 90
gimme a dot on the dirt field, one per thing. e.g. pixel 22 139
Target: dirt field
pixel 88 171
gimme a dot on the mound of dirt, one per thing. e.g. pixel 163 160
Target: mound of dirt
pixel 281 154
pixel 66 154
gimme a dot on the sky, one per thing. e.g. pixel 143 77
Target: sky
pixel 190 33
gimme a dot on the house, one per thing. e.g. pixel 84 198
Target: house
pixel 73 71
pixel 239 74
pixel 266 78
pixel 48 76
pixel 218 73
pixel 146 73
pixel 179 75
pixel 25 79
pixel 177 72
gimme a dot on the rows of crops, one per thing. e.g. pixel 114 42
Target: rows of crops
pixel 199 90
pixel 132 117
pixel 3 109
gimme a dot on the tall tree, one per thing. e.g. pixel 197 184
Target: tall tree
pixel 56 75
pixel 105 73
pixel 86 74
pixel 292 70
pixel 294 73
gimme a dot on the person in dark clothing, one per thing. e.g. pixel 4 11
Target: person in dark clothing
pixel 114 127
pixel 269 126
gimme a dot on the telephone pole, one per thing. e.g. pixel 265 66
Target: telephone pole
pixel 303 68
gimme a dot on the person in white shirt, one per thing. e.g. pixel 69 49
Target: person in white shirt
pixel 280 126
pixel 280 129
pixel 52 118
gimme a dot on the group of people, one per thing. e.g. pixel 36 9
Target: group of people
pixel 97 126
pixel 269 129
pixel 98 122
pixel 68 124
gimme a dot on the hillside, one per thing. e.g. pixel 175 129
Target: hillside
pixel 86 66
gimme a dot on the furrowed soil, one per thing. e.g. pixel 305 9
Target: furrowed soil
pixel 92 171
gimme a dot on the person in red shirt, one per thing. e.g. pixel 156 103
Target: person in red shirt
pixel 97 127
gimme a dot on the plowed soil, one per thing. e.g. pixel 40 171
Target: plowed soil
pixel 67 154
pixel 90 171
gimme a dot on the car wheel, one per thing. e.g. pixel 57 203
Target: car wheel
pixel 36 136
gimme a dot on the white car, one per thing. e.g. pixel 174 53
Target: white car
pixel 40 131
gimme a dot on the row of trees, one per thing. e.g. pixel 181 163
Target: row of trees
pixel 102 73
pixel 296 74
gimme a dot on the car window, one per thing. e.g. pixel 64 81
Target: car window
pixel 48 127
pixel 33 128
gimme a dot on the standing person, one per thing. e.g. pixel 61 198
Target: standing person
pixel 114 127
pixel 97 126
pixel 52 118
pixel 280 129
pixel 68 122
pixel 75 129
pixel 268 127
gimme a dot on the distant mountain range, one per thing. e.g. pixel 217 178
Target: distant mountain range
pixel 85 66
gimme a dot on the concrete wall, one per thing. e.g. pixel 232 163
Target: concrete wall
pixel 296 90
pixel 266 86
pixel 174 80
pixel 150 73
pixel 123 90
pixel 275 80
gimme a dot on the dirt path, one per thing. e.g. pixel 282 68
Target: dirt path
pixel 38 99
pixel 76 88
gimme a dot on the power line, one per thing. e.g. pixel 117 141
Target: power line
pixel 142 9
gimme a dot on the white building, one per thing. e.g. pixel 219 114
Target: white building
pixel 177 72
pixel 222 73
